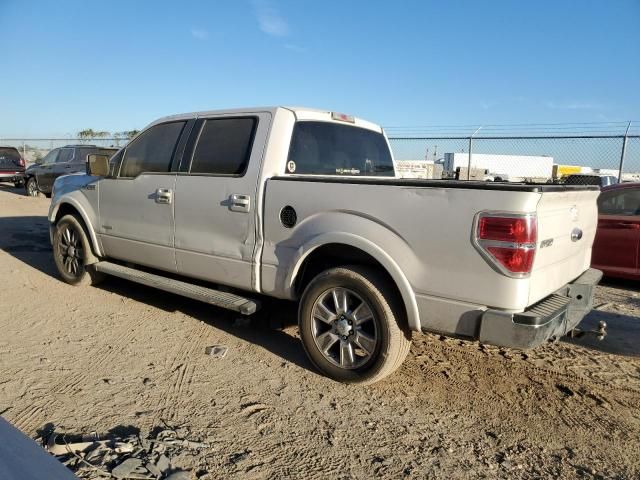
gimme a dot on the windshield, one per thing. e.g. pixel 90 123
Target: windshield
pixel 324 148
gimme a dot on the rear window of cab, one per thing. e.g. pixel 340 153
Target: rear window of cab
pixel 325 148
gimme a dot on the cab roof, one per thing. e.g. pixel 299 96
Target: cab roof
pixel 301 114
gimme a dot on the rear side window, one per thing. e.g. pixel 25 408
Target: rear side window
pixel 224 146
pixel 151 151
pixel 623 202
pixel 324 148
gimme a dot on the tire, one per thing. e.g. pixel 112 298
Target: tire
pixel 70 244
pixel 379 342
pixel 31 187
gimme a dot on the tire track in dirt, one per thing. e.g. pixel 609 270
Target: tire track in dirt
pixel 27 420
pixel 574 396
pixel 182 370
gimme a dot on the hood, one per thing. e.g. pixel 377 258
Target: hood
pixel 71 182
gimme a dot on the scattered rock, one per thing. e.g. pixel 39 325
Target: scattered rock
pixel 125 455
pixel 216 351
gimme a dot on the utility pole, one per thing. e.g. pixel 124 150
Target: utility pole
pixel 624 149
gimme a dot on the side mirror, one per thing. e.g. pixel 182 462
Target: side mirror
pixel 97 165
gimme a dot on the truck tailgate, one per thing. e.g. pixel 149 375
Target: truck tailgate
pixel 567 222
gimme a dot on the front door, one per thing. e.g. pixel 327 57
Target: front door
pixel 617 244
pixel 63 166
pixel 136 204
pixel 215 209
pixel 44 171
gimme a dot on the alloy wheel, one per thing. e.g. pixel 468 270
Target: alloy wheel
pixel 344 328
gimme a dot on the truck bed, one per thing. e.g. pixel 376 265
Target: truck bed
pixel 435 183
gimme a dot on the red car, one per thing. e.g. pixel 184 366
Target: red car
pixel 616 250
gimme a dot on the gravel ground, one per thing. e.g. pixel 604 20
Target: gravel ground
pixel 125 357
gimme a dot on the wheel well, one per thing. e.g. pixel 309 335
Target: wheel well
pixel 68 209
pixel 337 255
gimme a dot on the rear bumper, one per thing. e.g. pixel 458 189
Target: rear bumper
pixel 11 176
pixel 550 318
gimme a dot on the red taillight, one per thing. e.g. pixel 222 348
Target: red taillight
pixel 507 241
pixel 516 260
pixel 507 229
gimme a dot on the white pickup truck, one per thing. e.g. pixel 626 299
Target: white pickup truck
pixel 301 204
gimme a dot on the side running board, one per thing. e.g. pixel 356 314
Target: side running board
pixel 226 300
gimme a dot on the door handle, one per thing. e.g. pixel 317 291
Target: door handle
pixel 163 195
pixel 240 203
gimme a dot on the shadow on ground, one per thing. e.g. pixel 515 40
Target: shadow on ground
pixel 623 333
pixel 27 239
pixel 9 188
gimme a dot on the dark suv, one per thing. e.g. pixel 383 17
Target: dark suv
pixel 60 161
pixel 11 166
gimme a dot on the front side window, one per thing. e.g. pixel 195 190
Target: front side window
pixel 625 202
pixel 224 146
pixel 50 157
pixel 65 155
pixel 151 151
pixel 324 148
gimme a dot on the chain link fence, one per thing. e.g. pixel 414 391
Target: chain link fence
pixel 465 157
pixel 518 158
pixel 34 149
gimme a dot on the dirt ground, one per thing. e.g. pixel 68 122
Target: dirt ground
pixel 122 355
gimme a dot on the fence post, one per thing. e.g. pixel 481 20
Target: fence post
pixel 24 151
pixel 624 149
pixel 470 150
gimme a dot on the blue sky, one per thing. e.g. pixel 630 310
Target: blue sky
pixel 118 65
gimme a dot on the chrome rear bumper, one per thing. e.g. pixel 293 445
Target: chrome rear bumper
pixel 552 317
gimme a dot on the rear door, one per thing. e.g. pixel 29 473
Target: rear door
pixel 136 202
pixel 216 190
pixel 616 250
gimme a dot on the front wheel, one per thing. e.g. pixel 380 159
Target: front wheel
pixel 70 248
pixel 351 325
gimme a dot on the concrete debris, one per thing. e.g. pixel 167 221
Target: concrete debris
pixel 127 456
pixel 216 351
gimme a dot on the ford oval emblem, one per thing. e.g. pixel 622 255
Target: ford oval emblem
pixel 576 234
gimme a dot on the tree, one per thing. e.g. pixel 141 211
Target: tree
pixel 89 133
pixel 127 134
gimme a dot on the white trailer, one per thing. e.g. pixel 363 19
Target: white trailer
pixel 507 167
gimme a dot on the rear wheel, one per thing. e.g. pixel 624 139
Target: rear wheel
pixel 70 248
pixel 31 187
pixel 351 325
